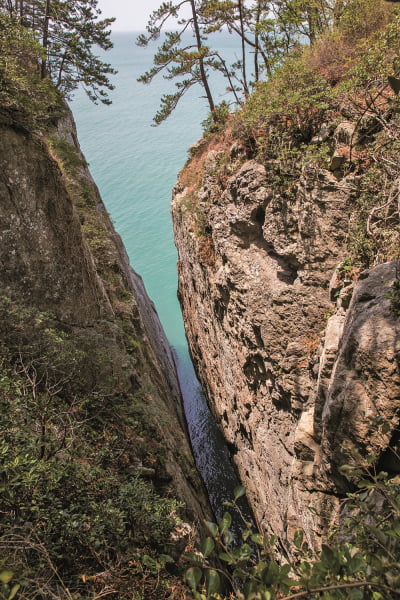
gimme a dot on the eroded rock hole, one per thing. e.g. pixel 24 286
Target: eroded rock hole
pixel 255 371
pixel 258 215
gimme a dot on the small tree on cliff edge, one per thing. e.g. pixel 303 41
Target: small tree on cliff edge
pixel 67 30
pixel 185 61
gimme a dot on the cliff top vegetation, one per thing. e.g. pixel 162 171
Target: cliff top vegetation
pixel 47 51
pixel 346 73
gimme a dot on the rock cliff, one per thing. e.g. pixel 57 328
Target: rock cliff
pixel 295 356
pixel 61 256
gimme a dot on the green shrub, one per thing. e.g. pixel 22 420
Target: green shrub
pixel 71 501
pixel 216 121
pixel 359 562
pixel 285 111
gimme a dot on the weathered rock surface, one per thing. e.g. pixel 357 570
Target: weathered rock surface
pixel 60 254
pixel 286 386
pixel 45 258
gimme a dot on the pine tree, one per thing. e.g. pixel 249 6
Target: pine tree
pixel 180 58
pixel 269 29
pixel 252 24
pixel 67 31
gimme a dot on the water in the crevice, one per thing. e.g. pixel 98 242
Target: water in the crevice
pixel 135 166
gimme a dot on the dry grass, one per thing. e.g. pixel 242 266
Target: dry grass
pixel 207 251
pixel 192 174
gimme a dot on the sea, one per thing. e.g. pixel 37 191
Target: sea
pixel 135 166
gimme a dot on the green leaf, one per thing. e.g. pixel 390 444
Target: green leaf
pixel 213 581
pixel 298 538
pixel 250 589
pixel 364 483
pixel 14 591
pixel 166 558
pixel 193 577
pixel 212 528
pixel 226 557
pixel 207 547
pixel 258 539
pixel 150 562
pixel 260 567
pixel 225 522
pixel 380 536
pixel 195 558
pixel 245 552
pixel 271 575
pixel 6 576
pixel 356 594
pixel 239 491
pixel 228 537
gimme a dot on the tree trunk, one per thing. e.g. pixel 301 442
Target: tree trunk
pixel 60 71
pixel 203 73
pixel 245 87
pixel 229 78
pixel 10 8
pixel 311 18
pixel 255 46
pixel 45 38
pixel 257 43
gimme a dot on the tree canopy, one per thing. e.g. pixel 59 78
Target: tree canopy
pixel 267 30
pixel 67 31
pixel 180 58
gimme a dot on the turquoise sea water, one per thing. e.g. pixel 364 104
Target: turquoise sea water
pixel 135 167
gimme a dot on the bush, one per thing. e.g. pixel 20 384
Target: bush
pixel 286 110
pixel 216 121
pixel 71 503
pixel 360 562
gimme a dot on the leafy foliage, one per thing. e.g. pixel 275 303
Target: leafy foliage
pixel 361 561
pixel 216 121
pixel 268 29
pixel 316 88
pixel 22 91
pixel 71 501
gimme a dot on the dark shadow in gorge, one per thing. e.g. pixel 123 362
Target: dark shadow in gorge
pixel 209 446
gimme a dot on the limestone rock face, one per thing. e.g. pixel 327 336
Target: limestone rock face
pixel 365 378
pixel 286 384
pixel 45 258
pixel 60 255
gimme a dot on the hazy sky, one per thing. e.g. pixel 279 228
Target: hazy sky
pixel 131 14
